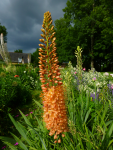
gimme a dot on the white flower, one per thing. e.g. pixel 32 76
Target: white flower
pixel 24 71
pixel 111 75
pixel 97 84
pixel 31 78
pixel 106 73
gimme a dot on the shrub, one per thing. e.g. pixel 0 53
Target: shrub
pixel 12 92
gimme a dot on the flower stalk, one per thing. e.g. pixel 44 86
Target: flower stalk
pixel 79 63
pixel 53 92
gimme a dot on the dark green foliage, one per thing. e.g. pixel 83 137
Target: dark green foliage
pixel 4 31
pixel 103 94
pixel 34 58
pixel 12 93
pixel 103 97
pixel 18 65
pixel 18 51
pixel 64 41
pixel 93 24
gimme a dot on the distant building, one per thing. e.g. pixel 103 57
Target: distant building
pixel 18 58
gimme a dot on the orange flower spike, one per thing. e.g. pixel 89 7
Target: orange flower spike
pixel 50 56
pixel 53 93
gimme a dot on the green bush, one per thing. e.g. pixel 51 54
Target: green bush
pixel 12 92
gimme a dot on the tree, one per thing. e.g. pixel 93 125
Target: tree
pixel 18 51
pixel 63 41
pixel 34 58
pixel 88 18
pixel 4 31
pixel 4 52
pixel 3 46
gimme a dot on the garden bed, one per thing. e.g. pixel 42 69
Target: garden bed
pixel 76 111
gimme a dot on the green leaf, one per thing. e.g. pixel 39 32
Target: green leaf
pixel 32 148
pixel 87 115
pixel 89 144
pixel 80 141
pixel 38 104
pixel 10 145
pixel 39 137
pixel 8 139
pixel 105 142
pixel 19 141
pixel 27 122
pixel 19 129
pixel 110 143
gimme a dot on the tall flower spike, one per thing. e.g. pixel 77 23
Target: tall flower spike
pixel 53 94
pixel 49 72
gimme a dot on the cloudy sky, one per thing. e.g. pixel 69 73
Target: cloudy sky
pixel 23 20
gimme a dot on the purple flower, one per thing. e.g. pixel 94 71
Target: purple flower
pixel 31 112
pixel 26 115
pixel 3 147
pixel 16 144
pixel 16 115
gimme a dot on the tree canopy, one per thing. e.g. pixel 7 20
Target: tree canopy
pixel 18 51
pixel 4 31
pixel 92 31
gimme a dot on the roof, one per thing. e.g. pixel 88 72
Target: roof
pixel 17 57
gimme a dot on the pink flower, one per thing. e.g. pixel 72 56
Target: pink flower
pixel 16 144
pixel 106 73
pixel 94 78
pixel 75 72
pixel 84 69
pixel 3 147
pixel 112 86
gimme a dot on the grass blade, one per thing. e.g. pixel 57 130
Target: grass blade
pixel 27 122
pixel 12 141
pixel 10 145
pixel 87 115
pixel 107 137
pixel 19 129
pixel 38 104
pixel 39 137
pixel 19 141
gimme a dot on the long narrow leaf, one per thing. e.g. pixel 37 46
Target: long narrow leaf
pixel 81 145
pixel 87 115
pixel 38 104
pixel 39 137
pixel 105 142
pixel 110 144
pixel 10 140
pixel 19 129
pixel 27 121
pixel 10 145
pixel 89 144
pixel 19 141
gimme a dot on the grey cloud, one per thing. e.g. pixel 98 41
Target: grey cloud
pixel 23 20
